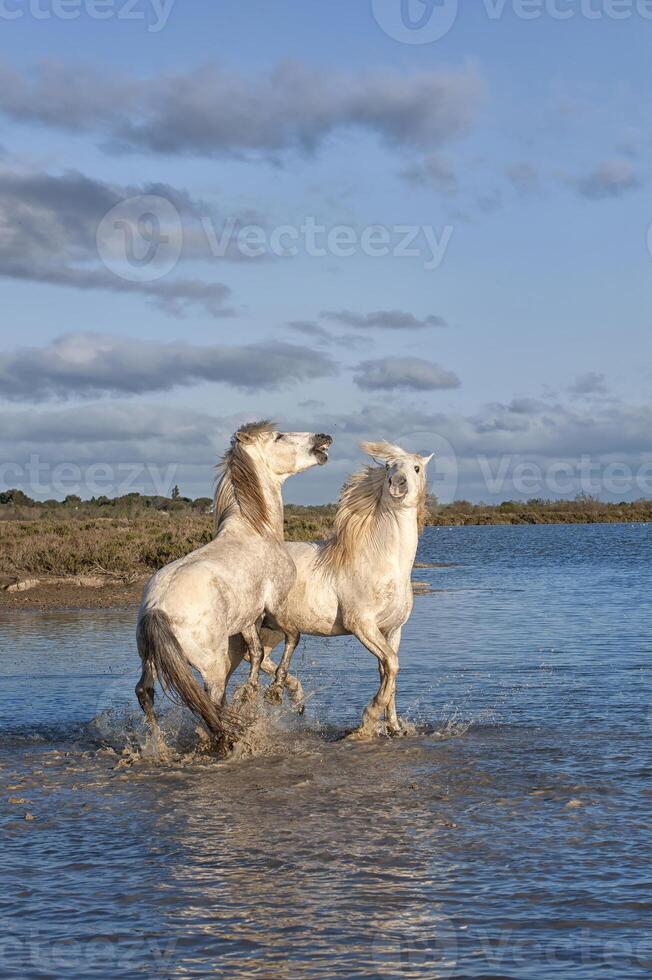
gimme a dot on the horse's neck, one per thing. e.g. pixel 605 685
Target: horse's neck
pixel 396 537
pixel 274 501
pixel 274 506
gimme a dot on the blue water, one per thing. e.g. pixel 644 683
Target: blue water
pixel 509 837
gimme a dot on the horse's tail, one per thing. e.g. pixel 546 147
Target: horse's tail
pixel 158 646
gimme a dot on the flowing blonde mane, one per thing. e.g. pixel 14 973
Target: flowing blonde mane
pixel 359 512
pixel 238 489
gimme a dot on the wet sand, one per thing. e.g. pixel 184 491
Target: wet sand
pixel 69 595
pixel 111 595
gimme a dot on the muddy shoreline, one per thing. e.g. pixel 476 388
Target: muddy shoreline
pixel 71 595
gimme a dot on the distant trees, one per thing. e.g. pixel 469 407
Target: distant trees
pixel 16 498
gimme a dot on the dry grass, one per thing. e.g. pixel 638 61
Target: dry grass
pixel 122 547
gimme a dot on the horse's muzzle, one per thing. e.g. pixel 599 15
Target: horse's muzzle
pixel 320 447
pixel 398 487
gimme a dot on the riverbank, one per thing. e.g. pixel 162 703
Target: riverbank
pixel 66 558
pixel 74 593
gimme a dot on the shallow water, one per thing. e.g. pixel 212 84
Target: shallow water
pixel 508 838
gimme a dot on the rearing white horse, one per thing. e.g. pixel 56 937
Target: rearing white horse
pixel 359 581
pixel 191 607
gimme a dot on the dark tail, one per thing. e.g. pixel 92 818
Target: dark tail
pixel 158 645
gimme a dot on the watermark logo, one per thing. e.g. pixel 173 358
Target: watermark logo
pixel 428 949
pixel 37 953
pixel 317 240
pixel 141 238
pixel 153 13
pixel 426 21
pixel 105 480
pixel 415 21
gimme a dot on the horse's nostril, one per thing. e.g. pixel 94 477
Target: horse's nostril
pixel 323 439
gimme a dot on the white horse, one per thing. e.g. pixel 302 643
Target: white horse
pixel 191 607
pixel 359 581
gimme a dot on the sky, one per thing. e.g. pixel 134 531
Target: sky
pixel 415 220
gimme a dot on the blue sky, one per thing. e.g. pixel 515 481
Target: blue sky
pixel 524 145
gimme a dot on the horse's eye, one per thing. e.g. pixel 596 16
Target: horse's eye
pixel 417 469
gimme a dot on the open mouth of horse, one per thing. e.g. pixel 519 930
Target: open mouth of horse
pixel 321 447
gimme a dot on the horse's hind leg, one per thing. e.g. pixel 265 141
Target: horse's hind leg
pixel 275 690
pixel 145 695
pixel 252 639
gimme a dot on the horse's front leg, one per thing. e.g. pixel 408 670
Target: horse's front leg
pixel 391 717
pixel 372 638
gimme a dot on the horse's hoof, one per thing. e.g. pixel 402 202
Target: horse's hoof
pixel 358 735
pixel 274 694
pixel 248 693
pixel 301 709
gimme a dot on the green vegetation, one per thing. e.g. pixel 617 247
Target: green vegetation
pixel 133 535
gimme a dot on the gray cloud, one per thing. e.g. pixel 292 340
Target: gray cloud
pixel 172 296
pixel 311 329
pixel 390 373
pixel 112 423
pixel 117 432
pixel 87 364
pixel 212 111
pixel 432 171
pixel 612 178
pixel 590 383
pixel 382 320
pixel 49 226
pixel 323 337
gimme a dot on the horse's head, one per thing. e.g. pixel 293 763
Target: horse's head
pixel 284 453
pixel 406 482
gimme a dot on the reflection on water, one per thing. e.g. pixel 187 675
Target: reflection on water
pixel 508 839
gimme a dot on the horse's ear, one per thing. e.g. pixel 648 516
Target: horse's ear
pixel 426 459
pixel 243 437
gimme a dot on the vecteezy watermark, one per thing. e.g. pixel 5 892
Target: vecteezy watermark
pixel 154 14
pixel 511 474
pixel 424 949
pixel 426 21
pixel 22 954
pixel 40 478
pixel 415 21
pixel 433 947
pixel 337 241
pixel 143 238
